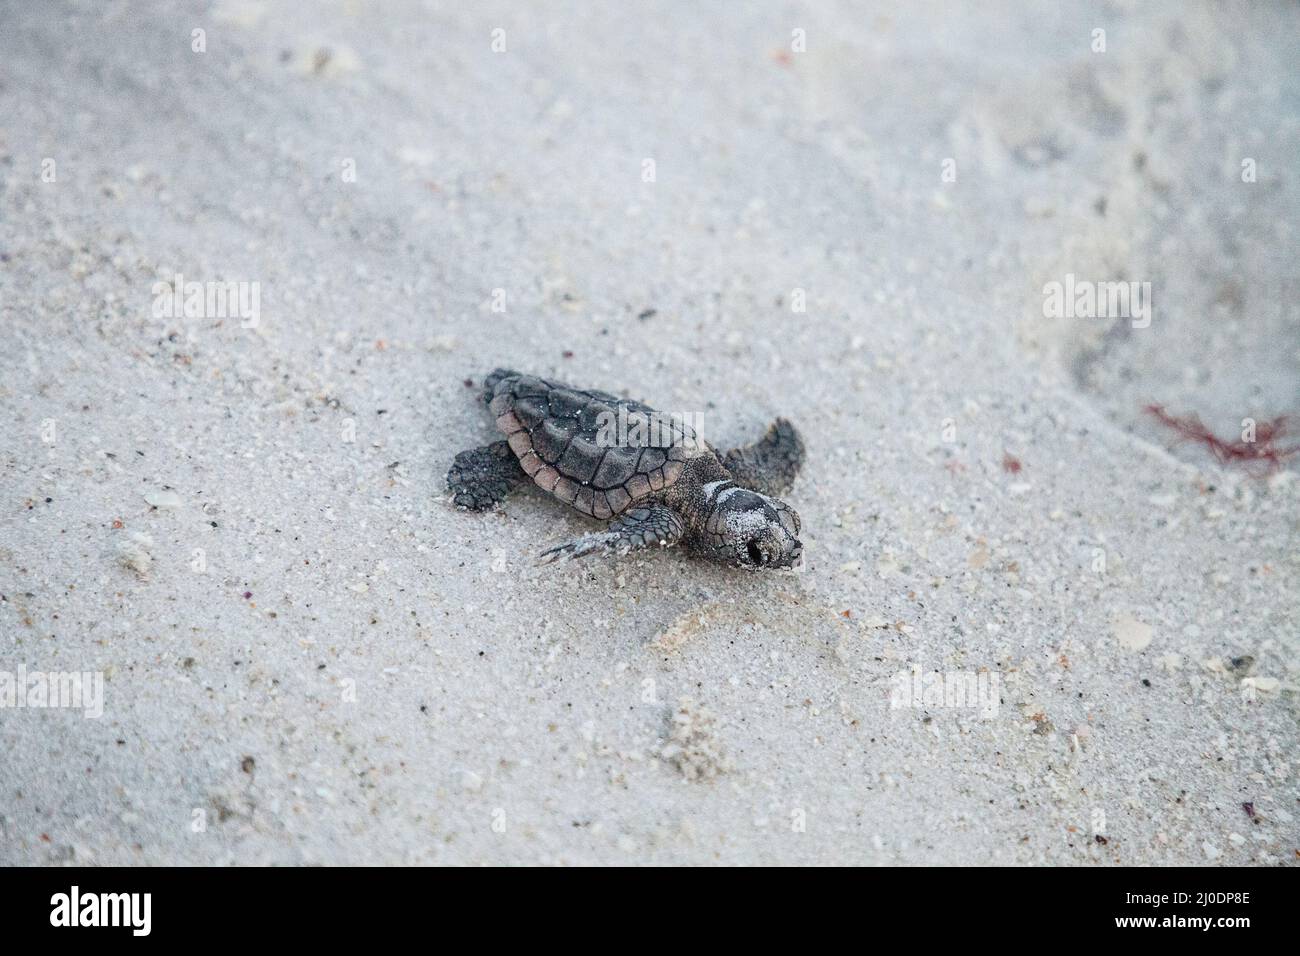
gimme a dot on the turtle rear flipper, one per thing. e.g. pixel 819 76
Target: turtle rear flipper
pixel 482 477
pixel 638 527
pixel 491 380
pixel 770 465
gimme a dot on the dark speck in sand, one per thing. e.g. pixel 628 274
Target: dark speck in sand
pixel 247 595
pixel 247 764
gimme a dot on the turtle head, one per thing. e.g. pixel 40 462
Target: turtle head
pixel 753 530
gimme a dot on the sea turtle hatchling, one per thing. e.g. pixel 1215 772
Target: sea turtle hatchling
pixel 655 481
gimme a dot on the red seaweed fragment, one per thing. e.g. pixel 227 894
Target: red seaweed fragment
pixel 1263 455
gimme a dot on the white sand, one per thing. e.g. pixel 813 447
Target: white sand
pixel 403 685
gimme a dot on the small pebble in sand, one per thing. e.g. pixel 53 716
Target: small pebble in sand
pixel 693 747
pixel 1268 685
pixel 1131 633
pixel 133 553
pixel 163 498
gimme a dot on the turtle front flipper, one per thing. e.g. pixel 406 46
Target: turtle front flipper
pixel 638 527
pixel 482 477
pixel 770 465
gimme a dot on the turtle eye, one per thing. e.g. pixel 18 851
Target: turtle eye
pixel 756 555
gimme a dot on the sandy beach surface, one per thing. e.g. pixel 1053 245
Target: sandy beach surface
pixel 844 213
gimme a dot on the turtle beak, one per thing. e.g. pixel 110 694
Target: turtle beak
pixel 797 563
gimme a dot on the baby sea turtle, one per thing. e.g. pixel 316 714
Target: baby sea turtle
pixel 648 473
